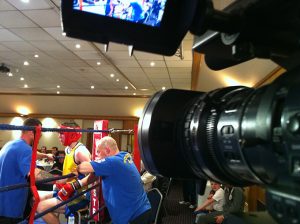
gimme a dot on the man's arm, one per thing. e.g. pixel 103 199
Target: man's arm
pixel 48 156
pixel 40 174
pixel 82 155
pixel 85 168
pixel 219 219
pixel 205 204
pixel 88 179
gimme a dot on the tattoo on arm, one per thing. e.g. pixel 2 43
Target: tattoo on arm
pixel 42 174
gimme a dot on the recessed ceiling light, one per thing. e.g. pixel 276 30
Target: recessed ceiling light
pixel 152 63
pixel 36 55
pixel 57 92
pixel 64 34
pixel 25 1
pixel 58 86
pixel 144 89
pixel 117 80
pixel 134 94
pixel 126 87
pixel 10 74
pixel 25 86
pixel 112 75
pixel 26 63
pixel 163 88
pixel 77 46
pixel 98 63
pixel 92 87
pixel 22 79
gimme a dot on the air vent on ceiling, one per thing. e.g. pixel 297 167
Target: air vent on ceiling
pixel 4 68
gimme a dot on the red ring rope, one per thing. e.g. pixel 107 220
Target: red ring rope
pixel 32 174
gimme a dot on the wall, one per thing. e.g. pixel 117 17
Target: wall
pixel 50 139
pixel 72 105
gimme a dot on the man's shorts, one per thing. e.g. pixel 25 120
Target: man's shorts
pixel 74 207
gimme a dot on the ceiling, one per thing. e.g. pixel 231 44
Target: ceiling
pixel 34 28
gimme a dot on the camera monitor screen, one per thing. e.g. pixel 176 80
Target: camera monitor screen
pixel 144 12
pixel 156 26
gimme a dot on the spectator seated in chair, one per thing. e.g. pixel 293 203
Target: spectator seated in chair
pixel 234 201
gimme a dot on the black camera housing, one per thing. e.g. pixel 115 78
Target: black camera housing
pixel 234 135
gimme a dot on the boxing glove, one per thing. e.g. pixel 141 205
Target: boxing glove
pixel 68 190
pixel 57 186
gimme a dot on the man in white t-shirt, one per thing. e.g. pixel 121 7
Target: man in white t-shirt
pixel 233 203
pixel 216 200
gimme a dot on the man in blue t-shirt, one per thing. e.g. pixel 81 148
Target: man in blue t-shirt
pixel 122 188
pixel 15 160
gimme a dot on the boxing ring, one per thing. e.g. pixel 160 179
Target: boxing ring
pixel 32 184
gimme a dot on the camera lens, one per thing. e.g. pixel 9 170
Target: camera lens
pixel 235 135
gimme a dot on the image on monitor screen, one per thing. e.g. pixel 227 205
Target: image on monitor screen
pixel 148 12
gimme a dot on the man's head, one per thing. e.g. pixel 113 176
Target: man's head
pixel 61 157
pixel 28 136
pixel 54 150
pixel 67 138
pixel 43 149
pixel 215 186
pixel 107 146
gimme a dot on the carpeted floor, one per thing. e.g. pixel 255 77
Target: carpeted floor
pixel 176 213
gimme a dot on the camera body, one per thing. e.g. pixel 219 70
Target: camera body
pixel 235 135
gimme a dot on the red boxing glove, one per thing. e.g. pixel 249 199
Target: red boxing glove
pixel 68 190
pixel 57 186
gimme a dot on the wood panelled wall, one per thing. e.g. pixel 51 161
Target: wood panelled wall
pixel 127 125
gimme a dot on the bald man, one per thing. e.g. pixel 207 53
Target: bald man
pixel 122 188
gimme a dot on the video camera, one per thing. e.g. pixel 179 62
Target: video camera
pixel 235 135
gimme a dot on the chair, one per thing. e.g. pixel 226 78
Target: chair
pixel 155 198
pixel 82 213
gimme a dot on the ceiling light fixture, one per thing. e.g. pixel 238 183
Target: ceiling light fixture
pixel 92 87
pixel 152 63
pixel 163 88
pixel 57 92
pixel 98 63
pixel 22 79
pixel 134 94
pixel 77 46
pixel 64 34
pixel 25 86
pixel 10 74
pixel 112 75
pixel 26 63
pixel 138 112
pixel 36 55
pixel 23 110
pixel 58 86
pixel 117 80
pixel 126 87
pixel 25 1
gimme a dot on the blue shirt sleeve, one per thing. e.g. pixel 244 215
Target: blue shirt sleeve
pixel 25 161
pixel 102 167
